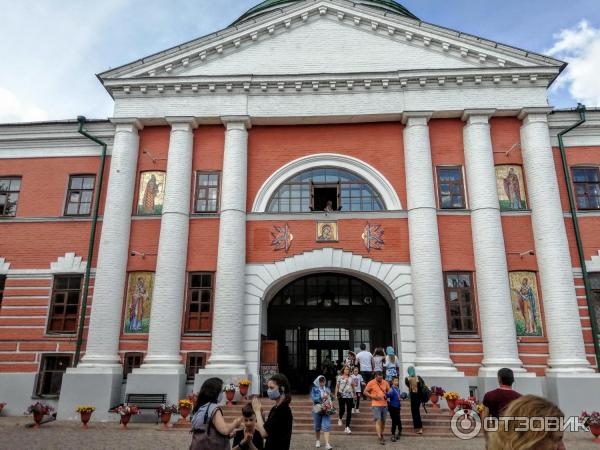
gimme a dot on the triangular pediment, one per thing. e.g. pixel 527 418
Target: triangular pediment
pixel 328 37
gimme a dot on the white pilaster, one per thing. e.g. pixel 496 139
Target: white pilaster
pixel 433 354
pixel 563 324
pixel 498 330
pixel 169 282
pixel 97 379
pixel 227 332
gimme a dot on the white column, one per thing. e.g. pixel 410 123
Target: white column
pixel 109 285
pixel 227 332
pixel 97 380
pixel 169 282
pixel 563 323
pixel 498 330
pixel 433 354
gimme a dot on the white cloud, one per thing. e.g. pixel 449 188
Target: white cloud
pixel 14 109
pixel 580 47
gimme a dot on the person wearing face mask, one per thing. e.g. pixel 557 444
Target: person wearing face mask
pixel 209 429
pixel 277 429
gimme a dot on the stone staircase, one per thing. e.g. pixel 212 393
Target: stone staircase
pixel 435 423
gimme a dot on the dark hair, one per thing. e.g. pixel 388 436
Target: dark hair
pixel 209 392
pixel 363 346
pixel 378 373
pixel 506 377
pixel 284 386
pixel 321 379
pixel 379 352
pixel 248 410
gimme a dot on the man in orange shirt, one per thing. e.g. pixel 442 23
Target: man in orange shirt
pixel 376 390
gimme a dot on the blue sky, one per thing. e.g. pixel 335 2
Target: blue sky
pixel 52 49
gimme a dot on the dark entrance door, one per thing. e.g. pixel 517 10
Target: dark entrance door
pixel 318 319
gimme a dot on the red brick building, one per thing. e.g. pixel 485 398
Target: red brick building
pixel 276 182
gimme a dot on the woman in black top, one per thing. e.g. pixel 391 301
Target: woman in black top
pixel 278 428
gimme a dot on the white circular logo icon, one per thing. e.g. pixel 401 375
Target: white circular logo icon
pixel 465 424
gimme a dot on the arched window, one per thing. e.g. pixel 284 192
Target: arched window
pixel 325 188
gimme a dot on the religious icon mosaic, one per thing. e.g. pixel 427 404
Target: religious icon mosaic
pixel 526 303
pixel 372 237
pixel 511 189
pixel 281 238
pixel 327 232
pixel 151 194
pixel 139 302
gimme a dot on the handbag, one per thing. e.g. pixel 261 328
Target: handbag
pixel 317 408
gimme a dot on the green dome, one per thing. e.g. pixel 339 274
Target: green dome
pixel 268 5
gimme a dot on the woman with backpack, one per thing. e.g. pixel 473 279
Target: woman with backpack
pixel 209 429
pixel 415 385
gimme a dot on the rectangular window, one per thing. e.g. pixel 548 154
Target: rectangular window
pixel 460 303
pixel 595 286
pixel 2 282
pixel 52 368
pixel 64 308
pixel 198 316
pixel 131 361
pixel 207 192
pixel 195 362
pixel 9 195
pixel 451 188
pixel 587 187
pixel 80 195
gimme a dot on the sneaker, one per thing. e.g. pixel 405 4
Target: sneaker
pixel 393 439
pixel 348 430
pixel 318 444
pixel 357 411
pixel 339 422
pixel 328 447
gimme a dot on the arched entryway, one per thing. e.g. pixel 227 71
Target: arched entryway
pixel 322 316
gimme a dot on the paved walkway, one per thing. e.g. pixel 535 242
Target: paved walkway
pixel 70 436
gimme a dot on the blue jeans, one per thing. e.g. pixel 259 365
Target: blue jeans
pixel 322 422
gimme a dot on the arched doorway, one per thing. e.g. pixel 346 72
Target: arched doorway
pixel 323 316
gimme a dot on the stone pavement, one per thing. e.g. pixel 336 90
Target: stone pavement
pixel 100 436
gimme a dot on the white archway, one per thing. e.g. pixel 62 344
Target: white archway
pixel 263 280
pixel 370 174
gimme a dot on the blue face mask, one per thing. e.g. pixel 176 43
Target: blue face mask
pixel 273 394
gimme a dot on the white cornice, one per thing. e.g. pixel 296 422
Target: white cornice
pixel 479 52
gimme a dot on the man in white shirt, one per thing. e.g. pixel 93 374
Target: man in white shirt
pixel 365 362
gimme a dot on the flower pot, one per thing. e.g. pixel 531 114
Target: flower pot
pixel 434 400
pixel 125 418
pixel 244 390
pixel 37 418
pixel 595 430
pixel 184 412
pixel 85 418
pixel 165 418
pixel 229 395
pixel 451 405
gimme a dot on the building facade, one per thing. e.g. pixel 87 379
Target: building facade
pixel 319 174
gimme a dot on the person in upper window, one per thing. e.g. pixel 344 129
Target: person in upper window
pixel 277 429
pixel 329 206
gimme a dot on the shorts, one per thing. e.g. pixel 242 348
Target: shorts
pixel 321 422
pixel 379 413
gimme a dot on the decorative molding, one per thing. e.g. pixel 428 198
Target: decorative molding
pixel 281 238
pixel 372 237
pixel 370 174
pixel 4 266
pixel 68 264
pixel 593 265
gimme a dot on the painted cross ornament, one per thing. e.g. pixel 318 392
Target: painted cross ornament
pixel 373 237
pixel 281 238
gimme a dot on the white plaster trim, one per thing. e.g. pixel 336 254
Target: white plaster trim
pixel 4 266
pixel 370 174
pixel 593 265
pixel 69 263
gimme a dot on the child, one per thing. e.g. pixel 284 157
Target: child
pixel 357 382
pixel 249 438
pixel 393 396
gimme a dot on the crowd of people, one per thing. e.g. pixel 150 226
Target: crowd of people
pixel 363 376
